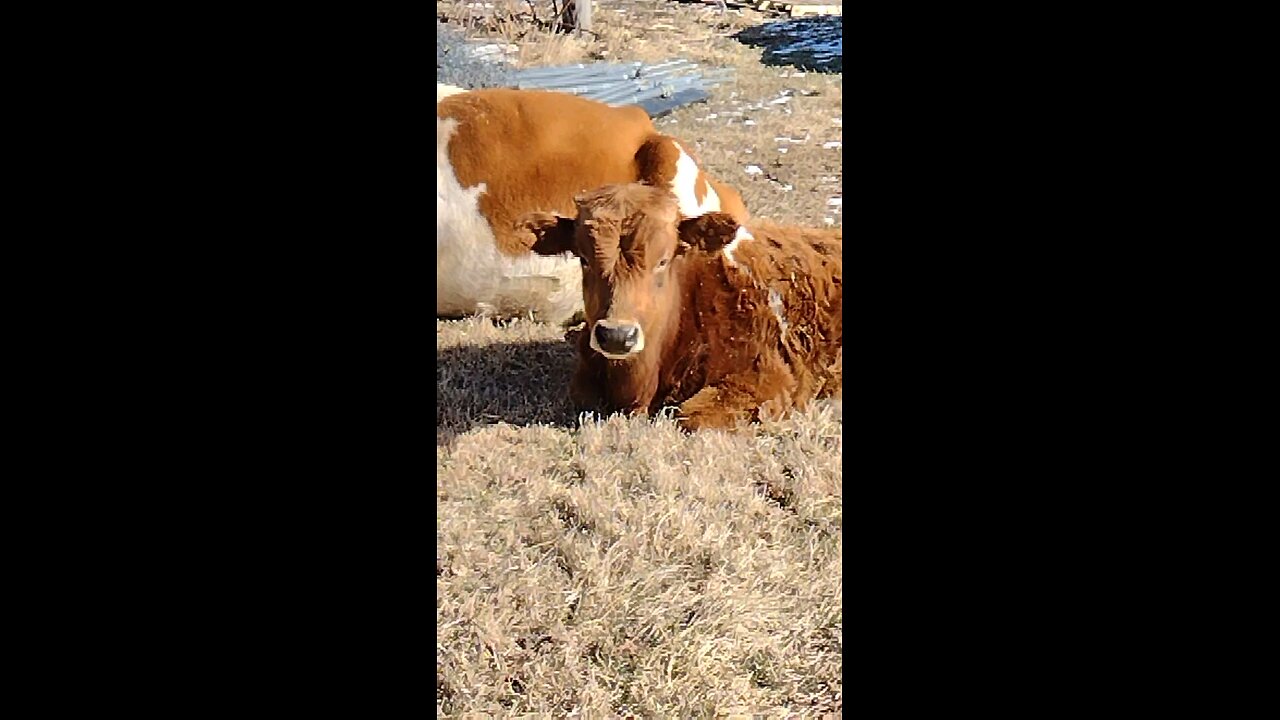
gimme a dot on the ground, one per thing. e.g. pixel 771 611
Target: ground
pixel 614 567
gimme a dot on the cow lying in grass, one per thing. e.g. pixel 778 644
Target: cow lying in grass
pixel 501 153
pixel 725 321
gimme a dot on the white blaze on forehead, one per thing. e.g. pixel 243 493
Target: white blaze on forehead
pixel 739 236
pixel 685 184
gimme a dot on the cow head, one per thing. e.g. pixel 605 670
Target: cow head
pixel 627 240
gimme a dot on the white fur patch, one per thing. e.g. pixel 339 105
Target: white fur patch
pixel 775 304
pixel 472 276
pixel 739 236
pixel 443 91
pixel 775 300
pixel 683 186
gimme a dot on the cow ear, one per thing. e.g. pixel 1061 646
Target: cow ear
pixel 547 233
pixel 710 232
pixel 657 161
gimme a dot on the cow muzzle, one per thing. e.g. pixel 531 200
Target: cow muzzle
pixel 617 340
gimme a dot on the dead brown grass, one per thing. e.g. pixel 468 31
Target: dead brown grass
pixel 615 567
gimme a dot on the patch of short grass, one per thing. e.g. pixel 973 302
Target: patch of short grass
pixel 615 566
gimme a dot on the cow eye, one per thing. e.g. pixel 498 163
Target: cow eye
pixel 583 262
pixel 662 264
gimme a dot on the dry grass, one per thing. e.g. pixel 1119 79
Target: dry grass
pixel 614 567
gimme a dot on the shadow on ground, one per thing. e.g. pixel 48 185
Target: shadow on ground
pixel 814 42
pixel 516 383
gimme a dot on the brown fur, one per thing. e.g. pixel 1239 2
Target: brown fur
pixel 656 161
pixel 537 149
pixel 714 346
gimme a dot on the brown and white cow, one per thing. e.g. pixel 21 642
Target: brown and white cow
pixel 724 320
pixel 502 153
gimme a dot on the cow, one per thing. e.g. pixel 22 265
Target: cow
pixel 729 322
pixel 502 153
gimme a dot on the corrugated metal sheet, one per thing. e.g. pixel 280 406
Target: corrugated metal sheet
pixel 658 88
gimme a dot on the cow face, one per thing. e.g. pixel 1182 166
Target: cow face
pixel 625 237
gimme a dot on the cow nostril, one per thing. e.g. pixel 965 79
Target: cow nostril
pixel 617 339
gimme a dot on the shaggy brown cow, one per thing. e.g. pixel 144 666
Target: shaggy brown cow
pixel 727 322
pixel 501 153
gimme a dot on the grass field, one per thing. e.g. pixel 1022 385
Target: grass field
pixel 618 567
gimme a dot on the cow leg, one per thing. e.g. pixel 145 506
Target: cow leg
pixel 738 399
pixel 715 407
